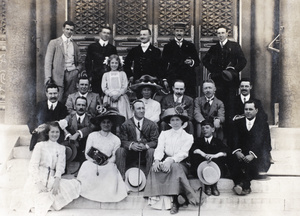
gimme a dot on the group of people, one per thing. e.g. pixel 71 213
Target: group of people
pixel 88 118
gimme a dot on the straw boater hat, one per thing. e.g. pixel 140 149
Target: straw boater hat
pixel 175 111
pixel 134 183
pixel 229 74
pixel 208 172
pixel 110 113
pixel 71 150
pixel 145 81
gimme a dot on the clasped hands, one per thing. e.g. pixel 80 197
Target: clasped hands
pixel 208 157
pixel 241 157
pixel 138 146
pixel 55 187
pixel 162 166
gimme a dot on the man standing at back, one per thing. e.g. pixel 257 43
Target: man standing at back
pixel 179 59
pixel 63 62
pixel 95 57
pixel 145 58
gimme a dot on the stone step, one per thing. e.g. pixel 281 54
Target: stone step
pixel 21 152
pixel 285 138
pixel 25 139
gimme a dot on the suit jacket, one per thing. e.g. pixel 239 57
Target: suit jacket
pixel 42 114
pixel 173 58
pixel 168 102
pixel 144 62
pixel 93 100
pixel 86 127
pixel 55 60
pixel 217 59
pixel 237 108
pixel 95 57
pixel 217 110
pixel 257 140
pixel 149 133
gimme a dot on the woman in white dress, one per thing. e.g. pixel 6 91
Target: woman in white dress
pixel 103 182
pixel 44 189
pixel 114 85
pixel 167 177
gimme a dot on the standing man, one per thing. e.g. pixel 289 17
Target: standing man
pixel 95 57
pixel 63 62
pixel 179 59
pixel 146 58
pixel 224 61
pixel 138 134
pixel 251 149
pixel 46 111
pixel 93 99
pixel 178 99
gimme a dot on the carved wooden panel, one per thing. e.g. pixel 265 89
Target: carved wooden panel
pixel 171 12
pixel 131 16
pixel 90 15
pixel 215 13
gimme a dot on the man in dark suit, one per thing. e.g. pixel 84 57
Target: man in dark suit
pixel 138 135
pixel 237 108
pixel 209 107
pixel 77 127
pixel 63 62
pixel 251 149
pixel 146 58
pixel 178 98
pixel 46 111
pixel 224 55
pixel 179 59
pixel 93 99
pixel 95 57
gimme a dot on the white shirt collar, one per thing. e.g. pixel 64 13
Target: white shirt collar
pixel 50 103
pixel 136 121
pixel 102 42
pixel 64 38
pixel 145 44
pixel 177 131
pixel 81 117
pixel 224 42
pixel 250 123
pixel 179 98
pixel 146 100
pixel 208 139
pixel 179 41
pixel 247 97
pixel 83 95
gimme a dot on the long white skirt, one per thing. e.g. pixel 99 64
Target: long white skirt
pixel 107 186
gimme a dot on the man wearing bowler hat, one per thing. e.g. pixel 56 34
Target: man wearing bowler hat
pixel 179 59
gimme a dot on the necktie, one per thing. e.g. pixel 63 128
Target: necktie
pixel 221 44
pixel 249 126
pixel 179 43
pixel 51 107
pixel 78 121
pixel 139 126
pixel 207 106
pixel 244 100
pixel 177 101
pixel 207 141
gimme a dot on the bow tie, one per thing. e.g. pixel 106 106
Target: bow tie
pixel 144 45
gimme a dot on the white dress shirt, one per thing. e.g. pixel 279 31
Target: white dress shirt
pixel 152 109
pixel 145 46
pixel 102 42
pixel 51 104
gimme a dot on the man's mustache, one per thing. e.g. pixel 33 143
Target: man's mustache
pixel 81 109
pixel 53 98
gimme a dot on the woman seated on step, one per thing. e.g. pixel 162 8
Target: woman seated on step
pixel 100 179
pixel 44 189
pixel 167 177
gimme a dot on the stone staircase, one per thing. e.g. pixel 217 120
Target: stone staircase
pixel 278 194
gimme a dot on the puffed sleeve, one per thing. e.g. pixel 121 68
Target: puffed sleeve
pixel 117 144
pixel 185 145
pixel 61 161
pixel 35 162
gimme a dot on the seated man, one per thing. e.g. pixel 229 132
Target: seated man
pixel 77 127
pixel 93 99
pixel 208 107
pixel 211 149
pixel 178 99
pixel 251 149
pixel 138 136
pixel 146 86
pixel 46 111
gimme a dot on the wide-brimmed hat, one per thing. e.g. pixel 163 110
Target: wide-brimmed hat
pixel 208 172
pixel 229 74
pixel 134 182
pixel 71 150
pixel 110 113
pixel 178 111
pixel 145 81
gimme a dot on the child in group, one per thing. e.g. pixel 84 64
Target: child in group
pixel 114 85
pixel 211 149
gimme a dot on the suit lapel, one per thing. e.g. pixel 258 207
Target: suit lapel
pixel 89 99
pixel 213 106
pixel 61 45
pixel 74 122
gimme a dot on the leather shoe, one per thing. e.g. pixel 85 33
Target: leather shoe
pixel 238 190
pixel 174 209
pixel 247 191
pixel 214 190
pixel 207 190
